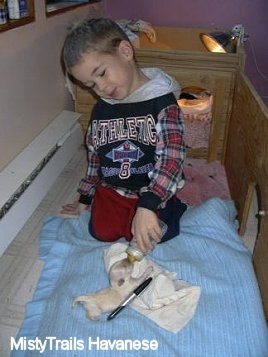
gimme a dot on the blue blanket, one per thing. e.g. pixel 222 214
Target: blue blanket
pixel 228 322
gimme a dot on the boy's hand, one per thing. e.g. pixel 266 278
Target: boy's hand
pixel 145 227
pixel 73 209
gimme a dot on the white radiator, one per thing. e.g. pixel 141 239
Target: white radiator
pixel 27 178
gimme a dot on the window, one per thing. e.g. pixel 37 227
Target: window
pixel 23 16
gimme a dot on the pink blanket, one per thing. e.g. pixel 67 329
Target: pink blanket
pixel 203 181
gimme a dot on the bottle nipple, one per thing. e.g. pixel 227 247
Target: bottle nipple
pixel 131 258
pixel 134 254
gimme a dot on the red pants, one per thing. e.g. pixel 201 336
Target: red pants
pixel 112 215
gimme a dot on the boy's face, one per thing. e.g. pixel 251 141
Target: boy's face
pixel 111 76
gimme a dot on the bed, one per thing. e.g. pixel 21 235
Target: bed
pixel 229 318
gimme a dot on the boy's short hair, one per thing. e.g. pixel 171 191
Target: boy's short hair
pixel 99 34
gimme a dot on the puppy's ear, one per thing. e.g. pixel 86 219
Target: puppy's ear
pixel 121 282
pixel 120 270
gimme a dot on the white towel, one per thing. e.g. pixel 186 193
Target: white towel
pixel 169 302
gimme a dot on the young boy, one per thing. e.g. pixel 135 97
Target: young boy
pixel 134 140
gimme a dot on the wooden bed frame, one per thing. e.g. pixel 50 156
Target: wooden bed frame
pixel 239 129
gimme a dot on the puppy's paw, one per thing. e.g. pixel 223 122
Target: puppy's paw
pixel 92 315
pixel 93 312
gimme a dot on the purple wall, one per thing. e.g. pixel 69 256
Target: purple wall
pixel 253 15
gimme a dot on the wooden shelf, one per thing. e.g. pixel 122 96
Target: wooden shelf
pixel 20 22
pixel 60 7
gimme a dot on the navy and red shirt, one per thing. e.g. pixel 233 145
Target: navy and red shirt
pixel 137 149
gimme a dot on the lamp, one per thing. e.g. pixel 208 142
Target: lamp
pixel 224 42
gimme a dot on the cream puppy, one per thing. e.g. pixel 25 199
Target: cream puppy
pixel 108 299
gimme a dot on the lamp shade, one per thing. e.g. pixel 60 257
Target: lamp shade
pixel 219 42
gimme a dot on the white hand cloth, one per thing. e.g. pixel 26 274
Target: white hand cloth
pixel 169 302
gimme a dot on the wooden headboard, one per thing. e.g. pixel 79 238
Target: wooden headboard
pixel 246 164
pixel 180 53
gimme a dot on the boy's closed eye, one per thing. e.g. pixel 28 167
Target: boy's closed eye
pixel 90 84
pixel 102 74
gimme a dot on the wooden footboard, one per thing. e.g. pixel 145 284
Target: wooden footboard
pixel 246 164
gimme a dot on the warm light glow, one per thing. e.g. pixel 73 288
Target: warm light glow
pixel 221 42
pixel 211 44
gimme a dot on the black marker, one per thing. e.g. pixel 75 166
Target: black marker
pixel 131 297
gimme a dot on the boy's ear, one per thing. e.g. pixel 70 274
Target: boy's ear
pixel 125 48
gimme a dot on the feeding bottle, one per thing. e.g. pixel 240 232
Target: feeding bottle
pixel 134 253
